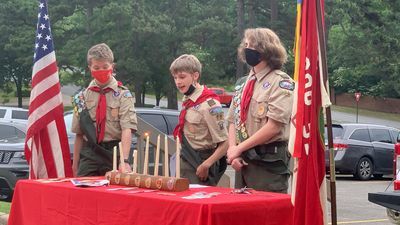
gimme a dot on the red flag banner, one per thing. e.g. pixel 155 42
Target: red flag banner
pixel 306 144
pixel 46 143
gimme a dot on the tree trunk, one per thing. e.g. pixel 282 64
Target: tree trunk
pixel 274 12
pixel 143 94
pixel 171 94
pixel 138 94
pixel 252 14
pixel 18 85
pixel 240 27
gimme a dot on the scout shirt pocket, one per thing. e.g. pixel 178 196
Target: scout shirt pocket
pixel 259 109
pixel 91 106
pixel 113 111
pixel 193 125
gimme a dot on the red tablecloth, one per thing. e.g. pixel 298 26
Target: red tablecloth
pixel 62 203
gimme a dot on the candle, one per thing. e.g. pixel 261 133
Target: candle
pixel 134 166
pixel 166 157
pixel 178 159
pixel 121 158
pixel 146 156
pixel 115 158
pixel 157 156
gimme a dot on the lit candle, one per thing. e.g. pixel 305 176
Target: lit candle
pixel 178 158
pixel 157 156
pixel 121 158
pixel 166 157
pixel 146 156
pixel 134 166
pixel 115 158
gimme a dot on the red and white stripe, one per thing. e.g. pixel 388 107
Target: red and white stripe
pixel 46 147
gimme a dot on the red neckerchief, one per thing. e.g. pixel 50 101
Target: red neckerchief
pixel 101 111
pixel 246 98
pixel 206 94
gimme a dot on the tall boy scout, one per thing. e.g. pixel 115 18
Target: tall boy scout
pixel 201 125
pixel 104 116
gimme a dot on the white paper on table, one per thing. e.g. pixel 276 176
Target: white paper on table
pixel 197 186
pixel 89 183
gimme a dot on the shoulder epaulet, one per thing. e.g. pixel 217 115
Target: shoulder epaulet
pixel 282 74
pixel 241 80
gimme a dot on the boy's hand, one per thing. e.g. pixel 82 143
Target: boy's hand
pixel 202 171
pixel 238 163
pixel 127 168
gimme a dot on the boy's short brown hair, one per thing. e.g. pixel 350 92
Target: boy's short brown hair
pixel 185 63
pixel 266 42
pixel 100 52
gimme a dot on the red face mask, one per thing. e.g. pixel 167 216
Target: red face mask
pixel 101 75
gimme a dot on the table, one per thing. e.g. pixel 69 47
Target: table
pixel 36 203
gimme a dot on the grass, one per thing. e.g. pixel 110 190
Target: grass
pixel 5 207
pixel 364 112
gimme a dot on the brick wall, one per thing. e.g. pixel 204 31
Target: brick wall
pixel 389 105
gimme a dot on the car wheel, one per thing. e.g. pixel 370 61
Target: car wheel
pixel 394 216
pixel 364 169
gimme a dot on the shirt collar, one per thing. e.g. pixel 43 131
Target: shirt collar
pixel 261 74
pixel 113 84
pixel 195 95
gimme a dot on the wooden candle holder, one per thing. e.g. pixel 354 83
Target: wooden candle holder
pixel 148 181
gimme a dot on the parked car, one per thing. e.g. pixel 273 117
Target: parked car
pixel 13 165
pixel 13 114
pixel 363 150
pixel 224 97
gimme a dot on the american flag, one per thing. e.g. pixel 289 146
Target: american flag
pixel 46 143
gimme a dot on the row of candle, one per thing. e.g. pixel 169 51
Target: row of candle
pixel 146 158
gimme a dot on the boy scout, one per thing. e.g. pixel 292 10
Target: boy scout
pixel 104 116
pixel 201 125
pixel 260 114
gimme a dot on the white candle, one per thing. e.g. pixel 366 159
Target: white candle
pixel 121 158
pixel 157 157
pixel 115 158
pixel 178 159
pixel 166 157
pixel 146 156
pixel 134 166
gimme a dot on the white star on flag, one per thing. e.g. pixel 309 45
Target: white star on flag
pixel 43 26
pixel 39 35
pixel 41 5
pixel 38 15
pixel 48 38
pixel 36 45
pixel 46 17
pixel 44 47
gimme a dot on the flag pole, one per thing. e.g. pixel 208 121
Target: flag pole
pixel 332 180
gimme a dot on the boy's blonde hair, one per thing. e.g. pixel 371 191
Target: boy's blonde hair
pixel 185 63
pixel 100 52
pixel 266 42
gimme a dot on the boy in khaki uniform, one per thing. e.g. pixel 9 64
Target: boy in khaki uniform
pixel 109 107
pixel 201 126
pixel 259 116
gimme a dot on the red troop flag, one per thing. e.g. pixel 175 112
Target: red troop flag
pixel 46 143
pixel 306 144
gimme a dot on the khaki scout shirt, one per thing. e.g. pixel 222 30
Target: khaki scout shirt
pixel 121 113
pixel 272 98
pixel 204 124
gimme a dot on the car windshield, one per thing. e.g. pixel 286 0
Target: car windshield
pixel 337 132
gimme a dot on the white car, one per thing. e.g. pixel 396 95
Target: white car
pixel 13 114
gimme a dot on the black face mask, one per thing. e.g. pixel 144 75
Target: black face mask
pixel 190 90
pixel 253 58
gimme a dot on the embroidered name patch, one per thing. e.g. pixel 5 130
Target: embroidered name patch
pixel 286 84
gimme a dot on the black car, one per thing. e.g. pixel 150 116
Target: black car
pixel 363 150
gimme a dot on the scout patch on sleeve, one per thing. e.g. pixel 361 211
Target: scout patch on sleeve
pixel 215 110
pixel 221 125
pixel 211 102
pixel 78 102
pixel 286 84
pixel 128 94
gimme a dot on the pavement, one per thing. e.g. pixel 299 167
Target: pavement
pixel 3 218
